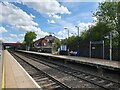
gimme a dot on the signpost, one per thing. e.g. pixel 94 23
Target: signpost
pixel 96 42
pixel 110 38
pixel 110 46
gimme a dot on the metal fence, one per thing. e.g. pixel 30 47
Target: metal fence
pixel 97 52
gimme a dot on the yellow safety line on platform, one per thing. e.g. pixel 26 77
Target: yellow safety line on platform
pixel 3 79
pixel 3 75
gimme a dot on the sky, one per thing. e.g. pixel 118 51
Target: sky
pixel 44 17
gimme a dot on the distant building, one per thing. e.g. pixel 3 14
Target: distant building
pixel 11 45
pixel 45 42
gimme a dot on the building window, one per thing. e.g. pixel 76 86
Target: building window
pixel 44 44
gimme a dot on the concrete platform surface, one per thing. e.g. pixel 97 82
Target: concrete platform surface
pixel 90 61
pixel 0 70
pixel 15 76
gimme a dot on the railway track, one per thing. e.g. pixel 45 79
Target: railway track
pixel 45 81
pixel 66 79
pixel 100 82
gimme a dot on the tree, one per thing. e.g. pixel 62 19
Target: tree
pixel 71 42
pixel 29 37
pixel 57 42
pixel 95 33
pixel 109 13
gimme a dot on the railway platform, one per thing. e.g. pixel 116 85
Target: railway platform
pixel 99 63
pixel 14 75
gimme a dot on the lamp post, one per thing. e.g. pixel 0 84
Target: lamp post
pixel 110 38
pixel 74 34
pixel 78 40
pixel 68 30
pixel 68 37
pixel 78 30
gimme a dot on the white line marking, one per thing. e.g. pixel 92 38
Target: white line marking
pixel 25 72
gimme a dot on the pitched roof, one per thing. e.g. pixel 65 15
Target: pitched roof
pixel 50 37
pixel 46 38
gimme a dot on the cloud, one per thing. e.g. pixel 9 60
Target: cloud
pixel 32 16
pixel 21 35
pixel 83 0
pixel 73 31
pixel 94 18
pixel 18 19
pixel 49 7
pixel 13 35
pixel 51 21
pixel 15 16
pixel 64 33
pixel 13 38
pixel 2 30
pixel 54 16
pixel 85 26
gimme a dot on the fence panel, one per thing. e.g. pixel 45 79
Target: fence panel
pixel 97 52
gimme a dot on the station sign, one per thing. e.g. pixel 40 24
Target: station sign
pixel 63 47
pixel 97 42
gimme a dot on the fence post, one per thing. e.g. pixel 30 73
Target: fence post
pixel 103 49
pixel 90 49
